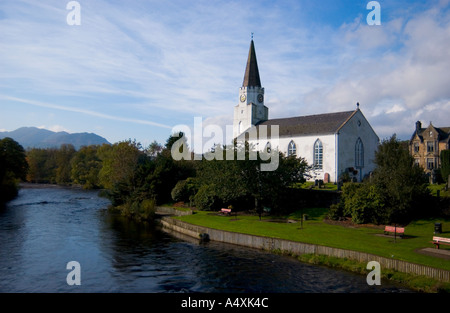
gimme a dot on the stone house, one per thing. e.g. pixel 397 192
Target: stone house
pixel 426 145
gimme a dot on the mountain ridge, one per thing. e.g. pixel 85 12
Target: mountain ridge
pixel 33 137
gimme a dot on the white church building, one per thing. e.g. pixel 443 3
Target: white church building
pixel 333 143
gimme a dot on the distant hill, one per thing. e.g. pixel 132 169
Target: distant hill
pixel 33 137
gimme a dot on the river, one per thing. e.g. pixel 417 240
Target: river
pixel 46 227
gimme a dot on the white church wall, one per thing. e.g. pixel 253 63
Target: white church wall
pixel 356 127
pixel 305 149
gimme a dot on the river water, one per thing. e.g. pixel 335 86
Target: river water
pixel 45 228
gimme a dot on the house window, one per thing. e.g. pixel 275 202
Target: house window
pixel 359 153
pixel 417 162
pixel 292 150
pixel 430 146
pixel 416 147
pixel 430 164
pixel 318 155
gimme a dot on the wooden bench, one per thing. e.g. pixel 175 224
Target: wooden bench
pixel 440 241
pixel 395 230
pixel 226 211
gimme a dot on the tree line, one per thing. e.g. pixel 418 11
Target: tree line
pixel 137 178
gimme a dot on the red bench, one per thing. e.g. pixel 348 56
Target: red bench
pixel 395 230
pixel 226 211
pixel 440 241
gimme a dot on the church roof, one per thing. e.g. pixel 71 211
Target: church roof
pixel 251 76
pixel 328 123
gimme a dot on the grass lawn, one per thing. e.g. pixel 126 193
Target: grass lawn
pixel 315 231
pixel 310 185
pixel 441 187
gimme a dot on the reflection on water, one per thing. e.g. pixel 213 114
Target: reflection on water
pixel 45 228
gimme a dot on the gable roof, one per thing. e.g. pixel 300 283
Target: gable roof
pixel 328 123
pixel 443 133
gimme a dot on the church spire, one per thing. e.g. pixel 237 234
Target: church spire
pixel 251 77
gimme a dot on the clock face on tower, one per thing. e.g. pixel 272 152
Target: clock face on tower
pixel 260 98
pixel 243 97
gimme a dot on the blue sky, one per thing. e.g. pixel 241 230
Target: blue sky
pixel 134 69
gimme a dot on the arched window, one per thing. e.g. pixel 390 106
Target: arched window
pixel 292 150
pixel 318 155
pixel 240 128
pixel 359 153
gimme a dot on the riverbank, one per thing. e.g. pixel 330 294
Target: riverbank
pixel 288 238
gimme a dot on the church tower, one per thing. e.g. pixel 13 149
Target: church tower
pixel 251 109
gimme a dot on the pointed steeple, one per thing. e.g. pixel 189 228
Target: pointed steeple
pixel 251 77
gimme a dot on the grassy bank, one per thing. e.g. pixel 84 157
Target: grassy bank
pixel 369 239
pixel 414 282
pixel 316 231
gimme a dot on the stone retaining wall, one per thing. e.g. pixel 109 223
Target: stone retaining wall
pixel 299 248
pixel 172 211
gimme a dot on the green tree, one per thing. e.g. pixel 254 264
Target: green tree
pixel 154 149
pixel 168 171
pixel 43 165
pixel 232 181
pixel 118 172
pixel 86 166
pixel 396 193
pixel 402 184
pixel 184 190
pixel 13 168
pixel 37 159
pixel 445 164
pixel 64 157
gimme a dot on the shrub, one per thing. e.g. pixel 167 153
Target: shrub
pixel 205 198
pixel 366 205
pixel 138 210
pixel 147 209
pixel 335 212
pixel 184 190
pixel 179 192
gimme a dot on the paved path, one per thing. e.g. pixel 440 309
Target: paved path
pixel 440 253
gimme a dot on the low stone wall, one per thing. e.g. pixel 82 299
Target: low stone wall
pixel 172 211
pixel 299 248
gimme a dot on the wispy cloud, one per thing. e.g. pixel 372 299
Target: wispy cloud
pixel 83 111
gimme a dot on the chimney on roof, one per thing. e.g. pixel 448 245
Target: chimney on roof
pixel 418 126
